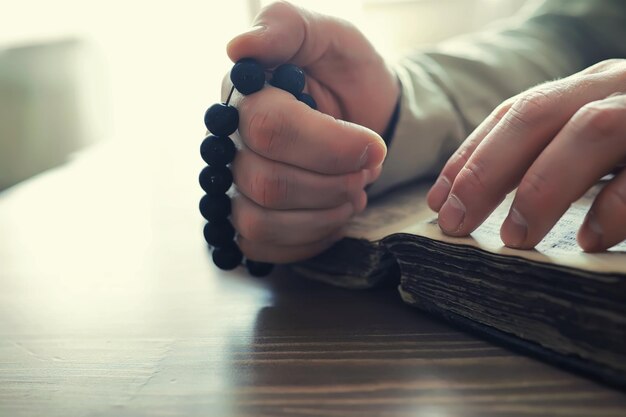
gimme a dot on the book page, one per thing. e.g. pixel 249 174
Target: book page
pixel 392 213
pixel 405 211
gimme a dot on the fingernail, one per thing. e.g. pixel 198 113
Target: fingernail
pixel 365 156
pixel 255 30
pixel 451 215
pixel 439 192
pixel 515 228
pixel 593 232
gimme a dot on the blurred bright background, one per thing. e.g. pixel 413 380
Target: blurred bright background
pixel 78 72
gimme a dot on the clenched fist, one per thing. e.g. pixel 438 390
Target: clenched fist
pixel 301 173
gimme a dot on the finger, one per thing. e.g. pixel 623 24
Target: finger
pixel 275 185
pixel 287 227
pixel 280 254
pixel 275 125
pixel 605 224
pixel 372 175
pixel 438 194
pixel 343 69
pixel 282 33
pixel 278 33
pixel 498 163
pixel 586 149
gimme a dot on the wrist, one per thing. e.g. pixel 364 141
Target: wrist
pixel 389 131
pixel 388 105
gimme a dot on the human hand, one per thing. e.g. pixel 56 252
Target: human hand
pixel 553 142
pixel 301 173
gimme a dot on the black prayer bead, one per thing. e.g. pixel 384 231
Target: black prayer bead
pixel 215 208
pixel 247 76
pixel 308 100
pixel 215 180
pixel 259 269
pixel 219 233
pixel 218 150
pixel 290 78
pixel 221 119
pixel 227 257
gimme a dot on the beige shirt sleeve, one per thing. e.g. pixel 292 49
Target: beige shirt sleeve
pixel 447 91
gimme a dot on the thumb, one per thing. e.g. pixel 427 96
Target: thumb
pixel 283 33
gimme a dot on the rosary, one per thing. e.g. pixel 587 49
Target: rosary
pixel 218 151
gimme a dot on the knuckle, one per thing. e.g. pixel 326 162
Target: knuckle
pixel 252 225
pixel 464 154
pixel 598 120
pixel 264 128
pixel 615 198
pixel 270 132
pixel 472 176
pixel 458 160
pixel 535 186
pixel 453 167
pixel 607 64
pixel 270 188
pixel 529 109
pixel 503 109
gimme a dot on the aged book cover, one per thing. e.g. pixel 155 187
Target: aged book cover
pixel 556 302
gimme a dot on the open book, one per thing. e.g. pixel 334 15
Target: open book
pixel 556 301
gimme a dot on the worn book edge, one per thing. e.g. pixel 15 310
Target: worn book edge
pixel 405 211
pixel 574 363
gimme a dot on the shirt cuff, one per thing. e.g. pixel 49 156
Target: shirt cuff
pixel 428 130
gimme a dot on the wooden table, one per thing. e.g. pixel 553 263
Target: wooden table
pixel 109 306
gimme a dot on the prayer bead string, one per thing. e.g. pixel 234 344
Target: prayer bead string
pixel 218 150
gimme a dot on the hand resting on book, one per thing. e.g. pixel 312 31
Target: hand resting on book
pixel 553 142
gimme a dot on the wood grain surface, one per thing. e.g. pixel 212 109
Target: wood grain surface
pixel 109 306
